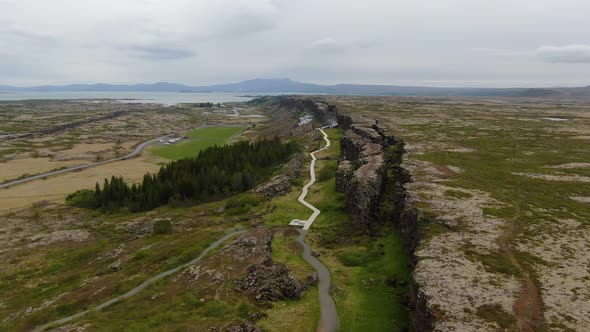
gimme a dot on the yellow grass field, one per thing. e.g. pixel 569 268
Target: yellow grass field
pixel 56 188
pixel 12 169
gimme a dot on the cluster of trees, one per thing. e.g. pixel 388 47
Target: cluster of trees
pixel 217 172
pixel 202 105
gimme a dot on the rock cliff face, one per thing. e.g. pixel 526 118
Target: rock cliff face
pixel 372 179
pixel 281 184
pixel 361 172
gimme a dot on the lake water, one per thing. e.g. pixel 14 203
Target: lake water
pixel 165 98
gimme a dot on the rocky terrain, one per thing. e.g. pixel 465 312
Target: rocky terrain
pixel 491 248
pixel 246 263
pixel 361 172
pixel 281 184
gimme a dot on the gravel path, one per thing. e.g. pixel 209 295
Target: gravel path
pixel 307 223
pixel 329 315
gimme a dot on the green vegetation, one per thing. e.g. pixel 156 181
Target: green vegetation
pixel 302 315
pixel 496 314
pixel 242 204
pixel 327 172
pixel 458 194
pixel 199 139
pixel 353 256
pixel 216 173
pixel 162 226
pixel 371 299
pixel 370 272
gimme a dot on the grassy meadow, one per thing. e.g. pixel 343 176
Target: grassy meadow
pixel 198 139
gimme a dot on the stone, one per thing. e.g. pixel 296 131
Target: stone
pixel 139 229
pixel 270 281
pixel 116 266
pixel 312 279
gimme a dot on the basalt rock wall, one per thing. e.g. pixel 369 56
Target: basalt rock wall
pixel 370 176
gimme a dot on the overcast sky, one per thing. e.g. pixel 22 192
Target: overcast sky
pixel 419 42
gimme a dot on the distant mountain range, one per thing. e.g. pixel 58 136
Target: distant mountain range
pixel 285 85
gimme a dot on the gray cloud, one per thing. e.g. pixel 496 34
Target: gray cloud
pixel 575 53
pixel 162 53
pixel 455 42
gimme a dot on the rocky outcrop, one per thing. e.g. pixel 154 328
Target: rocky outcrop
pixel 244 327
pixel 138 229
pixel 361 170
pixel 246 265
pixel 270 281
pixel 344 175
pixel 281 184
pixel 364 190
pixel 324 113
pixel 372 179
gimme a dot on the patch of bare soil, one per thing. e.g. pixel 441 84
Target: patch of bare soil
pixel 566 178
pixel 444 170
pixel 581 199
pixel 572 165
pixel 528 307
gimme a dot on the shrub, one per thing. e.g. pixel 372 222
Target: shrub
pixel 353 256
pixel 242 204
pixel 214 309
pixel 243 200
pixel 162 226
pixel 327 172
pixel 82 198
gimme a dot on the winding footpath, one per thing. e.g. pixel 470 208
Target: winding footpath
pixel 301 199
pixel 139 288
pixel 329 315
pixel 134 153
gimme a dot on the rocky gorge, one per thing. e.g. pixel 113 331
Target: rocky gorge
pixel 371 177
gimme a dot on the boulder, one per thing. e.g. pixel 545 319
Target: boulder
pixel 139 229
pixel 270 281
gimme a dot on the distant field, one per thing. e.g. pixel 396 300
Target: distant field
pixel 56 188
pixel 200 139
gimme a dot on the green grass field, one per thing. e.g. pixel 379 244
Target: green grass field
pixel 199 139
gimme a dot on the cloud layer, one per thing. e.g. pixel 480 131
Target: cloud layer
pixel 576 53
pixel 430 42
